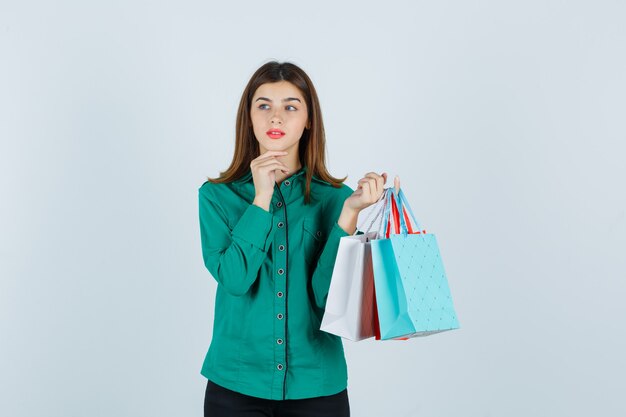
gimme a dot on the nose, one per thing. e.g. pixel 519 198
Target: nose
pixel 276 119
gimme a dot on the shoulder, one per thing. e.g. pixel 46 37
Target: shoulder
pixel 213 190
pixel 332 195
pixel 345 190
pixel 205 187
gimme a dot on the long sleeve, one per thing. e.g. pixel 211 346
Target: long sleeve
pixel 320 280
pixel 266 339
pixel 233 257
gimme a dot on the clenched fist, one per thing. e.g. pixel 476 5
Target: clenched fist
pixel 264 169
pixel 368 192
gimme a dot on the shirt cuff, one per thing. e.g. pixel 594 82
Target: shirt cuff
pixel 338 231
pixel 255 227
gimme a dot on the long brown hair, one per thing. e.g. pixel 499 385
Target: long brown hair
pixel 312 146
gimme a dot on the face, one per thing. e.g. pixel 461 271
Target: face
pixel 278 107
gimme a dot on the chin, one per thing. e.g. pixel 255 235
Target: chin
pixel 276 145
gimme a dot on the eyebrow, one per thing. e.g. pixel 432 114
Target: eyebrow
pixel 284 100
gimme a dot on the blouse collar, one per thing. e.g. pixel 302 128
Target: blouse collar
pixel 248 176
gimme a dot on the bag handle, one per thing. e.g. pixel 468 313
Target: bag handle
pixel 395 215
pixel 394 204
pixel 390 213
pixel 404 202
pixel 378 212
pixel 384 225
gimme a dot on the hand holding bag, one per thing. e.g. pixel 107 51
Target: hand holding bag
pixel 350 307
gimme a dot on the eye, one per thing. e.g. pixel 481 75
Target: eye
pixel 294 108
pixel 261 106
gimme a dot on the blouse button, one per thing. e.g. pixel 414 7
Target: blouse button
pixel 279 341
pixel 279 204
pixel 281 271
pixel 318 233
pixel 287 182
pixel 279 293
pixel 279 367
pixel 279 316
pixel 281 224
pixel 281 247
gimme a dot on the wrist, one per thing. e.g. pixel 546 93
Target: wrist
pixel 263 202
pixel 348 218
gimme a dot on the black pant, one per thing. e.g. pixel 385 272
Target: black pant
pixel 222 402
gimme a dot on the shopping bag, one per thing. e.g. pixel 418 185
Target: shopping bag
pixel 411 287
pixel 350 308
pixel 349 304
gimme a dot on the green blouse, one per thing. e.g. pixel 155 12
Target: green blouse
pixel 273 271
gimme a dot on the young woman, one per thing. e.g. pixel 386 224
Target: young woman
pixel 270 228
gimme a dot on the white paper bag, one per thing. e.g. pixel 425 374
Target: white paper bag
pixel 350 302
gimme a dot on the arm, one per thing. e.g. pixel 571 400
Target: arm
pixel 345 225
pixel 347 219
pixel 234 257
pixel 346 210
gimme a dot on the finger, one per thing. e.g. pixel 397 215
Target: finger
pixel 375 187
pixel 369 178
pixel 374 176
pixel 372 188
pixel 378 183
pixel 383 180
pixel 270 161
pixel 380 179
pixel 269 154
pixel 396 183
pixel 367 192
pixel 271 165
pixel 362 182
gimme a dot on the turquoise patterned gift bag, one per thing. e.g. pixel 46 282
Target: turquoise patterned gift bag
pixel 412 293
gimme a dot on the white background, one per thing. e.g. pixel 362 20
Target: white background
pixel 505 121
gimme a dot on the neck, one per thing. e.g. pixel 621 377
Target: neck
pixel 293 168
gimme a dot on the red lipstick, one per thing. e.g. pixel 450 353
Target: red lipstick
pixel 275 133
